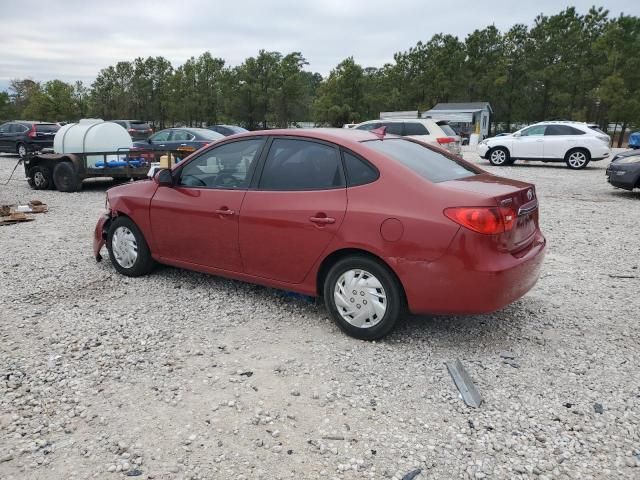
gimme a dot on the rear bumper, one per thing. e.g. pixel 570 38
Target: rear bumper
pixel 100 236
pixel 472 277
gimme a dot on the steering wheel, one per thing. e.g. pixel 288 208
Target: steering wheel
pixel 192 181
pixel 226 179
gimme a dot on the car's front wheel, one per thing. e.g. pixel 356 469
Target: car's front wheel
pixel 499 156
pixel 128 250
pixel 577 159
pixel 363 297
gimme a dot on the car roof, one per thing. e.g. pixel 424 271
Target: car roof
pixel 335 135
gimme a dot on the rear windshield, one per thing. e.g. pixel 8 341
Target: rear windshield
pixel 446 128
pixel 235 129
pixel 140 126
pixel 595 128
pixel 422 160
pixel 47 127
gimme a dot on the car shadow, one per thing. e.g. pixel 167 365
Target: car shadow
pixel 453 332
pixel 625 194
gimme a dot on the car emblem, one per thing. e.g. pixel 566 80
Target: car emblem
pixel 529 194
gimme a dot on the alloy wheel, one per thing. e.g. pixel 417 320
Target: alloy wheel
pixel 577 159
pixel 498 157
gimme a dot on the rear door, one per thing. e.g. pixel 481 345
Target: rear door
pixel 295 211
pixel 558 139
pixel 196 220
pixel 530 143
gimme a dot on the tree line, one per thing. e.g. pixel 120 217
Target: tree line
pixel 564 66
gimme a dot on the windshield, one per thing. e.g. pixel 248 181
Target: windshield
pixel 427 163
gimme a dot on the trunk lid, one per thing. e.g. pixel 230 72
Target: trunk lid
pixel 517 202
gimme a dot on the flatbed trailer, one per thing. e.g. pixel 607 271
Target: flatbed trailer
pixel 65 172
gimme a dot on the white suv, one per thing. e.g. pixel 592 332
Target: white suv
pixel 436 132
pixel 574 143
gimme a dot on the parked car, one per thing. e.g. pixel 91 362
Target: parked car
pixel 227 130
pixel 23 137
pixel 138 130
pixel 188 139
pixel 574 143
pixel 375 224
pixel 624 170
pixel 634 140
pixel 435 132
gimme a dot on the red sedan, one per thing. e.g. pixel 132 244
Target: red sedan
pixel 376 224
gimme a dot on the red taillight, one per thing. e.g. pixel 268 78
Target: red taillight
pixel 32 133
pixel 485 220
pixel 443 140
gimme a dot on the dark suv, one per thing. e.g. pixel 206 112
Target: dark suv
pixel 22 137
pixel 138 130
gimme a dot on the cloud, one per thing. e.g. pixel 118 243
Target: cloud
pixel 74 39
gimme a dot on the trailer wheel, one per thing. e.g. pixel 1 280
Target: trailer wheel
pixel 66 178
pixel 40 177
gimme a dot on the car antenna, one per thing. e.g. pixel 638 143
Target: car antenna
pixel 380 132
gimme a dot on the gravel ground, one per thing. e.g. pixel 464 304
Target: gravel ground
pixel 187 376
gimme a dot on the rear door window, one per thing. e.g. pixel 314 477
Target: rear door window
pixel 301 165
pixel 181 136
pixel 415 128
pixel 427 163
pixel 394 128
pixel 359 172
pixel 562 130
pixel 369 126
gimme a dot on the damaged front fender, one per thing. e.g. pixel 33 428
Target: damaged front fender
pixel 100 235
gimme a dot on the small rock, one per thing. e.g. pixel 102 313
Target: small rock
pixel 507 355
pixel 598 408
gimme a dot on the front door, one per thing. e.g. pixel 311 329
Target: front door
pixel 196 221
pixel 530 143
pixel 295 211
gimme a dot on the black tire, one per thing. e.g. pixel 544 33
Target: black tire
pixel 66 178
pixel 499 157
pixel 577 158
pixel 40 177
pixel 21 150
pixel 143 263
pixel 394 297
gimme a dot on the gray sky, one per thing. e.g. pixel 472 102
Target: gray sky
pixel 74 39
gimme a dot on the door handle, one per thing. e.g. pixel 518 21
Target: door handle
pixel 540 140
pixel 183 144
pixel 225 211
pixel 322 220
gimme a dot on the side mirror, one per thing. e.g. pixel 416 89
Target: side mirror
pixel 517 134
pixel 164 178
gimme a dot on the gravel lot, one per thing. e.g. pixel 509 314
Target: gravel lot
pixel 187 376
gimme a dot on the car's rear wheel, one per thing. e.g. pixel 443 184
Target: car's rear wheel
pixel 21 150
pixel 577 159
pixel 363 297
pixel 66 178
pixel 128 250
pixel 40 177
pixel 499 156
